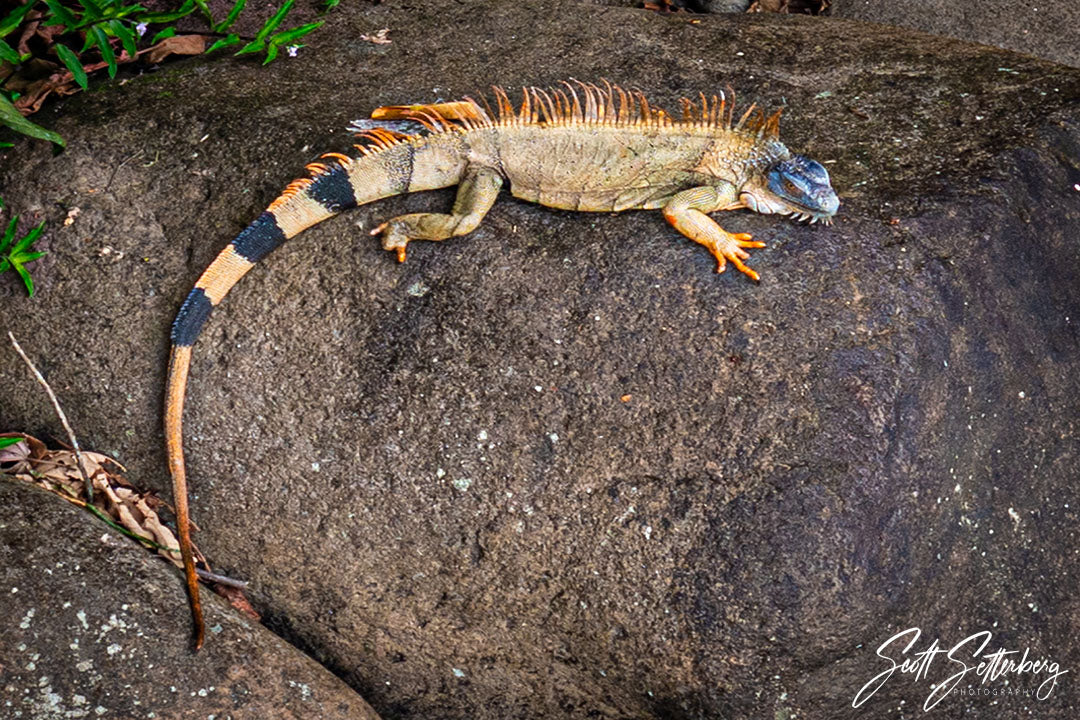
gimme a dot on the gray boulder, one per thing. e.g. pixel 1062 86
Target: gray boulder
pixel 560 468
pixel 1048 29
pixel 95 627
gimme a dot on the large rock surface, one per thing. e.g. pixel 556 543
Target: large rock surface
pixel 95 627
pixel 1048 28
pixel 428 470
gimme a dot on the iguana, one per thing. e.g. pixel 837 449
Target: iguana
pixel 576 147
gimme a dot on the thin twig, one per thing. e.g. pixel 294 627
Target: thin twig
pixel 220 579
pixel 60 414
pixel 117 168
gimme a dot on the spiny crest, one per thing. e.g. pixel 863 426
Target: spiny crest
pixel 579 103
pixel 373 140
pixel 318 169
pixel 433 117
pixel 721 114
pixel 378 139
pixel 293 188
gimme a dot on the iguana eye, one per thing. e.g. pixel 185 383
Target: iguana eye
pixel 801 181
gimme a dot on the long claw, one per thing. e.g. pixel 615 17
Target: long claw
pixel 747 271
pixel 400 249
pixel 688 212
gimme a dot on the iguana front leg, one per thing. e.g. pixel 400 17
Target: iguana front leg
pixel 686 212
pixel 476 194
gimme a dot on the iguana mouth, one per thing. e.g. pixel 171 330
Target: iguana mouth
pixel 800 187
pixel 768 204
pixel 812 217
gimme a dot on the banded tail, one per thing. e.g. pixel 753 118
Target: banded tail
pixel 389 164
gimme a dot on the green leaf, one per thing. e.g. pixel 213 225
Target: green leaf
pixel 288 36
pixel 114 11
pixel 166 33
pixel 331 4
pixel 6 145
pixel 126 35
pixel 107 52
pixel 272 23
pixel 5 265
pixel 9 234
pixel 205 11
pixel 253 46
pixel 168 17
pixel 27 280
pixel 271 53
pixel 60 15
pixel 230 39
pixel 8 53
pixel 237 8
pixel 30 257
pixel 12 21
pixel 9 441
pixel 13 119
pixel 72 63
pixel 93 10
pixel 29 240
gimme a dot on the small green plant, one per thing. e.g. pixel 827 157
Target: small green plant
pixel 92 35
pixel 266 40
pixel 15 254
pixel 10 116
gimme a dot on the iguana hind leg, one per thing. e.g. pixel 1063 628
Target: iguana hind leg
pixel 686 213
pixel 476 194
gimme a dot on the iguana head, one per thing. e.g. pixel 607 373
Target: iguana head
pixel 795 186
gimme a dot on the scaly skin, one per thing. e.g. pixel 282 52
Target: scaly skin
pixel 578 147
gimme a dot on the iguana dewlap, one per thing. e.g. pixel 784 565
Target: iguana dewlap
pixel 577 147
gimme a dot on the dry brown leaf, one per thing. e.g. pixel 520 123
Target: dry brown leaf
pixel 57 471
pixel 175 45
pixel 238 600
pixel 162 534
pixel 121 507
pixel 30 72
pixel 378 38
pixel 29 30
pixel 62 83
pixel 20 454
pixel 48 33
pixel 39 78
pixel 59 81
pixel 34 18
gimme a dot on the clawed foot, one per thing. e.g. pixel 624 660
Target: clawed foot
pixel 732 249
pixel 393 238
